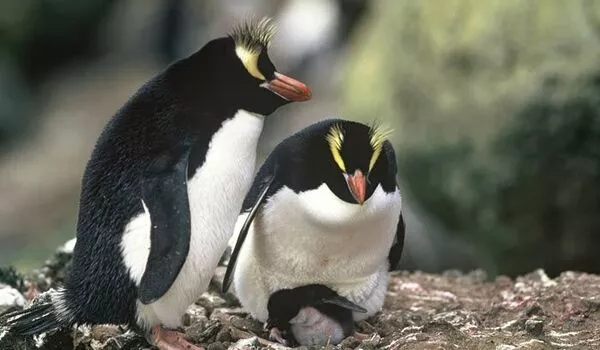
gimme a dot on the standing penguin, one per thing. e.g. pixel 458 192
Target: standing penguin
pixel 323 209
pixel 163 188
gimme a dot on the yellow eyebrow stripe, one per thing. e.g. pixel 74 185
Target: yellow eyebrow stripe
pixel 378 135
pixel 249 59
pixel 335 138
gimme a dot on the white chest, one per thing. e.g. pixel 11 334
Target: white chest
pixel 315 237
pixel 215 192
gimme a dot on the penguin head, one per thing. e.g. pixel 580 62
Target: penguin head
pixel 235 72
pixel 356 160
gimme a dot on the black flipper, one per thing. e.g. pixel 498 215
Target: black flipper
pixel 244 232
pixel 396 249
pixel 39 318
pixel 343 302
pixel 164 192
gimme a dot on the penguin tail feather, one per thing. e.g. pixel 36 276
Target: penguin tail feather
pixel 37 319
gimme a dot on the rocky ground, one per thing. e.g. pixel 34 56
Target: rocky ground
pixel 422 311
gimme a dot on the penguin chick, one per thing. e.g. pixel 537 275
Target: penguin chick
pixel 325 209
pixel 162 190
pixel 310 315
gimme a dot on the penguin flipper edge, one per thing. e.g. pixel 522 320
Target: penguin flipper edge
pixel 244 232
pixel 396 249
pixel 164 193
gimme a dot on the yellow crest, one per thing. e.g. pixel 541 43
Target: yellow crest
pixel 377 136
pixel 250 39
pixel 335 138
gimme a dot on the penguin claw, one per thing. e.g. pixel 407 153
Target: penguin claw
pixel 165 339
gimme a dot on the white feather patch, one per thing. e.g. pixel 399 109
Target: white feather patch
pixel 215 193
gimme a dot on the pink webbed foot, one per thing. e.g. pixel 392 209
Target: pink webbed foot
pixel 166 339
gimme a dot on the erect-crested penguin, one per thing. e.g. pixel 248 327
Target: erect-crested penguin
pixel 324 209
pixel 163 188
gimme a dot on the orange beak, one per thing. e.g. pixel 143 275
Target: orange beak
pixel 357 183
pixel 288 88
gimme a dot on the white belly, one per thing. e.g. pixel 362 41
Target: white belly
pixel 216 192
pixel 317 238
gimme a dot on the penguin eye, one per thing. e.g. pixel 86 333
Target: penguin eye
pixel 249 59
pixel 335 138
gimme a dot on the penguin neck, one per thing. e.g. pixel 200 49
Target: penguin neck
pixel 236 135
pixel 247 124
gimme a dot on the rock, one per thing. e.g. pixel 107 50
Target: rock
pixel 194 315
pixel 497 124
pixel 349 343
pixel 371 342
pixel 505 347
pixel 534 326
pixel 106 337
pixel 245 344
pixel 224 335
pixel 10 276
pixel 217 346
pixel 10 299
pixel 216 284
pixel 10 342
pixel 211 301
pixel 248 324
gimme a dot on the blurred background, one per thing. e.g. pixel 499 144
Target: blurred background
pixel 495 106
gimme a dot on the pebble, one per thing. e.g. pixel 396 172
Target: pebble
pixel 224 335
pixel 247 324
pixel 534 326
pixel 245 344
pixel 195 314
pixel 349 342
pixel 211 301
pixel 505 347
pixel 10 299
pixel 217 346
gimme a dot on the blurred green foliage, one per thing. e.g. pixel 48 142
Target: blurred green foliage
pixel 553 197
pixel 494 104
pixel 36 38
pixel 495 107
